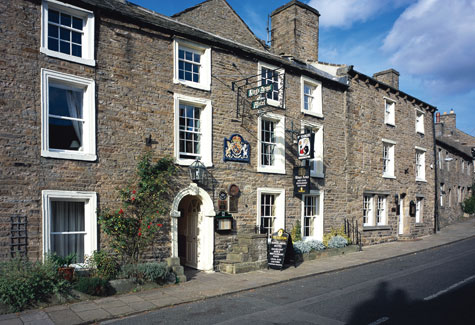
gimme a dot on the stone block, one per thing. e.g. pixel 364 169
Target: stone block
pixel 178 269
pixel 173 261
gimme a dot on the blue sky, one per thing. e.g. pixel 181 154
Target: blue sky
pixel 430 42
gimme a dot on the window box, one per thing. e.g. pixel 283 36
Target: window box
pixel 192 64
pixel 67 32
pixel 67 116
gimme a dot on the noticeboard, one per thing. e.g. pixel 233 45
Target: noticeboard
pixel 281 250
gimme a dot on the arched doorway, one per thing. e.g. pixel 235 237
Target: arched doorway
pixel 193 227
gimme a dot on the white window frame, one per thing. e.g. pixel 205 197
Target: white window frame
pixel 440 158
pixel 318 218
pixel 389 111
pixel 279 218
pixel 390 172
pixel 420 121
pixel 90 217
pixel 420 165
pixel 279 159
pixel 419 209
pixel 442 191
pixel 205 64
pixel 280 82
pixel 316 107
pixel 316 164
pixel 368 206
pixel 206 127
pixel 384 208
pixel 87 45
pixel 88 151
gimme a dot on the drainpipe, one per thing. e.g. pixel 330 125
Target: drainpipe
pixel 436 183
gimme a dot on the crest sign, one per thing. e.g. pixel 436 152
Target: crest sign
pixel 236 149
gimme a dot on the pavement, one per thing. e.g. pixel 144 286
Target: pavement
pixel 202 285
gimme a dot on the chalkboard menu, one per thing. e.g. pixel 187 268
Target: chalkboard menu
pixel 280 250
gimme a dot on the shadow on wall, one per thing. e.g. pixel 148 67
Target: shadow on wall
pixel 395 307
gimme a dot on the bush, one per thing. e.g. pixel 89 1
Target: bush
pixel 303 247
pixel 151 272
pixel 337 242
pixel 105 265
pixel 468 206
pixel 335 232
pixel 23 283
pixel 296 232
pixel 93 286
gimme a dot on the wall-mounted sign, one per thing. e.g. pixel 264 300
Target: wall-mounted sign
pixel 260 102
pixel 224 221
pixel 260 90
pixel 234 193
pixel 306 145
pixel 236 149
pixel 222 201
pixel 301 180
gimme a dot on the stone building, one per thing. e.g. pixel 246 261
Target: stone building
pixel 455 168
pixel 88 86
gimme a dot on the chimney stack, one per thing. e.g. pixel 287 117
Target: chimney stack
pixel 390 77
pixel 294 31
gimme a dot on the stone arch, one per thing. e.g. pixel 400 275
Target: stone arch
pixel 205 225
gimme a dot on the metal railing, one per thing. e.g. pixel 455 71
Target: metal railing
pixel 352 232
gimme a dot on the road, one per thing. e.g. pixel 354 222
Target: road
pixel 431 287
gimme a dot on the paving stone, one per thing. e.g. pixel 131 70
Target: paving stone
pixel 66 317
pixel 56 308
pixel 40 322
pixel 13 321
pixel 121 310
pixel 112 304
pixel 142 306
pixel 8 316
pixel 84 306
pixel 93 315
pixel 131 299
pixel 33 316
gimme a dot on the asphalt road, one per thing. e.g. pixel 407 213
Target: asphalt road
pixel 432 287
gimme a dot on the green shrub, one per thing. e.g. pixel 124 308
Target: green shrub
pixel 151 272
pixel 335 232
pixel 296 232
pixel 93 286
pixel 468 205
pixel 62 261
pixel 23 283
pixel 105 265
pixel 337 242
pixel 301 247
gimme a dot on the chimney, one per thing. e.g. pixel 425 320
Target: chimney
pixel 294 31
pixel 448 120
pixel 389 77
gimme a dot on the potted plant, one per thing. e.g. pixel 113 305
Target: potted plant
pixel 64 265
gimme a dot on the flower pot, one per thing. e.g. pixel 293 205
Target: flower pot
pixel 67 273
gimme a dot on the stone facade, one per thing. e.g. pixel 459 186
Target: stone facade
pixel 455 168
pixel 136 98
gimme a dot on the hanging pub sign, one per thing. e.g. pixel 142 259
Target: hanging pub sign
pixel 306 145
pixel 281 250
pixel 260 102
pixel 260 90
pixel 236 149
pixel 301 180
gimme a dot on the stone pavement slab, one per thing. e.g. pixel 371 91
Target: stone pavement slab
pixel 66 317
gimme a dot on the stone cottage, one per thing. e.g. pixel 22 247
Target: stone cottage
pixel 88 86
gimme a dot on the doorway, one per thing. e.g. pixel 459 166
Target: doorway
pixel 401 216
pixel 188 232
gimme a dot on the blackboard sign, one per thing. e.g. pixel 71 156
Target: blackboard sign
pixel 280 251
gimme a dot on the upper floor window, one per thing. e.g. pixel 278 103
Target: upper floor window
pixel 420 164
pixel 389 111
pixel 419 121
pixel 388 158
pixel 192 65
pixel 271 143
pixel 68 114
pixel 67 32
pixel 311 95
pixel 463 166
pixel 440 158
pixel 193 130
pixel 316 164
pixel 271 75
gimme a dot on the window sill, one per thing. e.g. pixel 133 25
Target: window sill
pixel 71 58
pixel 188 162
pixel 202 86
pixel 316 114
pixel 69 155
pixel 390 124
pixel 419 224
pixel 274 170
pixel 420 132
pixel 389 176
pixel 376 228
pixel 317 175
pixel 421 180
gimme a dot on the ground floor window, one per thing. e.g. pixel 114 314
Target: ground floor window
pixel 312 216
pixel 69 223
pixel 374 210
pixel 270 209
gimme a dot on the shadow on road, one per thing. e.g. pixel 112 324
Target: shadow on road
pixel 394 307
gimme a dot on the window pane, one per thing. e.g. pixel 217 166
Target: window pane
pixel 53 16
pixel 76 37
pixel 53 44
pixel 64 47
pixel 64 34
pixel 76 50
pixel 77 23
pixel 65 20
pixel 197 58
pixel 65 102
pixel 181 54
pixel 67 216
pixel 189 55
pixel 65 134
pixel 53 31
pixel 64 245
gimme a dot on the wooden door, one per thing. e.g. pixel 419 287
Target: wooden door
pixel 192 212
